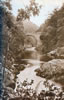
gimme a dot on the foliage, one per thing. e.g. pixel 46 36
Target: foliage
pixel 51 93
pixel 14 30
pixel 52 31
pixel 32 9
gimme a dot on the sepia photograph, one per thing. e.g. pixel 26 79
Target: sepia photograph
pixel 31 49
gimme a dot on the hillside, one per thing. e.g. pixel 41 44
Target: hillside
pixel 29 26
pixel 52 37
pixel 53 31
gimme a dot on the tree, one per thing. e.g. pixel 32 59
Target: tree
pixel 32 9
pixel 7 4
pixel 14 29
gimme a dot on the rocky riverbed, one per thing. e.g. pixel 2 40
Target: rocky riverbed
pixel 29 74
pixel 35 76
pixel 53 68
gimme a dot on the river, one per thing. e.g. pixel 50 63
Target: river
pixel 29 74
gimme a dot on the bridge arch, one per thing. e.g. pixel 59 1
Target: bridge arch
pixel 30 41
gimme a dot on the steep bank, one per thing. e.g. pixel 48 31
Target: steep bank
pixel 52 32
pixel 52 38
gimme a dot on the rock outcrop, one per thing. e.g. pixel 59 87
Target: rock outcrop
pixel 53 69
pixel 55 54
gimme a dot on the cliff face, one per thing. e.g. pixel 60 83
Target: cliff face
pixel 52 32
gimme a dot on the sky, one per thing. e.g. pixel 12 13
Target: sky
pixel 47 8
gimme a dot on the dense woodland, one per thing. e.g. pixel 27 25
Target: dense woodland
pixel 52 31
pixel 52 37
pixel 14 30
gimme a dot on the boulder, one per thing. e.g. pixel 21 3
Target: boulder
pixel 53 69
pixel 46 58
pixel 57 53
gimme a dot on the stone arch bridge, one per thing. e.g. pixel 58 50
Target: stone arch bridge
pixel 32 39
